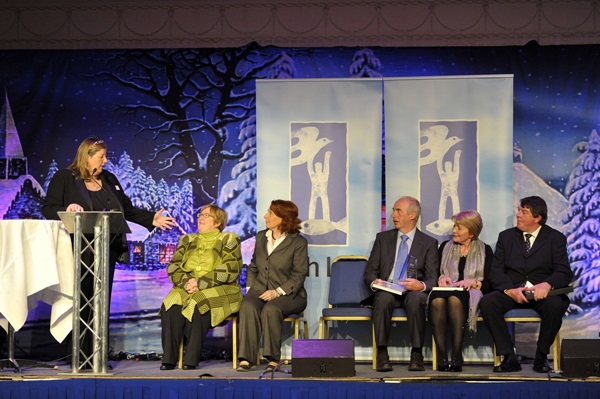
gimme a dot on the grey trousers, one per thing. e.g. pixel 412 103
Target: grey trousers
pixel 259 318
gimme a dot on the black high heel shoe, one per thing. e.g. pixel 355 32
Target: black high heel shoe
pixel 443 366
pixel 456 364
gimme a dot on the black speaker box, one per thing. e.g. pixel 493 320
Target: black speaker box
pixel 323 358
pixel 580 358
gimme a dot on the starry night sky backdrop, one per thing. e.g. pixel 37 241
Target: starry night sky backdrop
pixel 60 97
pixel 56 101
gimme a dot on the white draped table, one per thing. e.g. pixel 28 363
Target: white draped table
pixel 36 264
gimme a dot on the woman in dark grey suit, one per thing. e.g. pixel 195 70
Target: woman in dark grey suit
pixel 275 284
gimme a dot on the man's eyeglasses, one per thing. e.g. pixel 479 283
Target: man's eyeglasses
pixel 205 215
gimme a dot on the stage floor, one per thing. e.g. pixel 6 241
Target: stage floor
pixel 222 369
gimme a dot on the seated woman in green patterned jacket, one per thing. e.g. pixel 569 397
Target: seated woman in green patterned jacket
pixel 205 273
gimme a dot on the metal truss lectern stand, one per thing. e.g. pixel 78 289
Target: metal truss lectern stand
pixel 83 225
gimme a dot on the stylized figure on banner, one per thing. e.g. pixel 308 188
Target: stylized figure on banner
pixel 436 146
pixel 319 177
pixel 307 145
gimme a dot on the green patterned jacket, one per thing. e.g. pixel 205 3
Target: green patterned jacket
pixel 218 286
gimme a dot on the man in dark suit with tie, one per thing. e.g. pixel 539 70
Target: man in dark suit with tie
pixel 529 257
pixel 388 258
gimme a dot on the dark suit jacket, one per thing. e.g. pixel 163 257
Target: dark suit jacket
pixel 65 189
pixel 286 267
pixel 381 261
pixel 547 261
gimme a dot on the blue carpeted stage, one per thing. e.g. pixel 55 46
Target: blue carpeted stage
pixel 144 388
pixel 130 379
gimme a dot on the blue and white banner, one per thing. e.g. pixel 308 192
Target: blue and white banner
pixel 449 143
pixel 319 144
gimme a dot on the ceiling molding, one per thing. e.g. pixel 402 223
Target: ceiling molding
pixel 86 24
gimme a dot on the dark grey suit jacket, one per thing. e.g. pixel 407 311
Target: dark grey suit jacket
pixel 381 261
pixel 547 260
pixel 286 267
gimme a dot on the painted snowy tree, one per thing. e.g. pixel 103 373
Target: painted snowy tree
pixel 123 170
pixel 52 169
pixel 163 195
pixel 187 101
pixel 175 201
pixel 152 193
pixel 137 189
pixel 365 64
pixel 238 196
pixel 283 68
pixel 582 223
pixel 187 217
pixel 27 203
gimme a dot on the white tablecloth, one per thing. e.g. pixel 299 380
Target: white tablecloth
pixel 36 264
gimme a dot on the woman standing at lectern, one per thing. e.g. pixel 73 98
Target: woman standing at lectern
pixel 86 186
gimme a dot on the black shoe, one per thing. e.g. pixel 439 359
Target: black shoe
pixel 509 364
pixel 456 364
pixel 188 367
pixel 540 365
pixel 167 366
pixel 383 363
pixel 416 362
pixel 443 366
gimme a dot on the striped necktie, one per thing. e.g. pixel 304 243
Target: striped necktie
pixel 527 242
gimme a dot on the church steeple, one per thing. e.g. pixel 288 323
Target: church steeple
pixel 13 162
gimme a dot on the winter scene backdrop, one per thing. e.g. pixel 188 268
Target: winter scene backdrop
pixel 180 125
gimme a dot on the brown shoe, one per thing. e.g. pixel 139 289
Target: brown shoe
pixel 383 363
pixel 416 362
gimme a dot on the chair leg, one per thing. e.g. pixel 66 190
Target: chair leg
pixel 556 353
pixel 321 321
pixel 296 328
pixel 234 339
pixel 434 355
pixel 374 347
pixel 305 323
pixel 497 360
pixel 180 363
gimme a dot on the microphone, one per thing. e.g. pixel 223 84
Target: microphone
pixel 102 188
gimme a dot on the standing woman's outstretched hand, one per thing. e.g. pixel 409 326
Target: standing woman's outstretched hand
pixel 163 222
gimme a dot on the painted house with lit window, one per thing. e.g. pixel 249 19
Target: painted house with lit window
pixel 155 250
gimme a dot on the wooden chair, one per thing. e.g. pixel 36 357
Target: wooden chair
pixel 434 354
pixel 298 319
pixel 529 316
pixel 398 315
pixel 233 318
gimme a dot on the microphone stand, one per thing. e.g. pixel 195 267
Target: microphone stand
pixel 103 189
